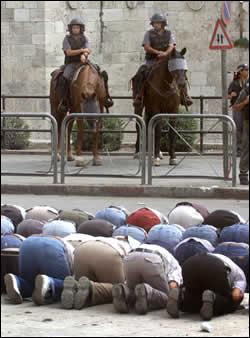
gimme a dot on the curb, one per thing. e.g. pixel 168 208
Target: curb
pixel 127 191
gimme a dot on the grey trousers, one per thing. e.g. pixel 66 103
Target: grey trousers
pixel 237 117
pixel 70 69
pixel 149 269
pixel 244 159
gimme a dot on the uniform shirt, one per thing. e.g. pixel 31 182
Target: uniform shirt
pixel 173 269
pixel 242 96
pixel 204 242
pixel 235 86
pixel 146 39
pixel 66 44
pixel 236 276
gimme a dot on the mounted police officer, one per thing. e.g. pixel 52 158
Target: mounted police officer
pixel 76 50
pixel 158 43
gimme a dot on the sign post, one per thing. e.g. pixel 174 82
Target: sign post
pixel 221 41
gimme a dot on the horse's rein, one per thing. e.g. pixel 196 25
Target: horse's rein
pixel 175 90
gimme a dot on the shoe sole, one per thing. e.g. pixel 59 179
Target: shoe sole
pixel 82 294
pixel 119 300
pixel 172 303
pixel 141 306
pixel 68 293
pixel 206 311
pixel 11 291
pixel 38 295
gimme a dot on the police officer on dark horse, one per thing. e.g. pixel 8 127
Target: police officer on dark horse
pixel 159 44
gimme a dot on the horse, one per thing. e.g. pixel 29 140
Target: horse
pixel 165 82
pixel 86 88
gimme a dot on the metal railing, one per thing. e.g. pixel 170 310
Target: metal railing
pixel 199 131
pixel 142 133
pixel 151 131
pixel 54 142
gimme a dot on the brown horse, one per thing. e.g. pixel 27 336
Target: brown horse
pixel 86 89
pixel 162 94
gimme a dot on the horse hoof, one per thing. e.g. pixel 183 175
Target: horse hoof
pixel 161 155
pixel 172 161
pixel 80 163
pixel 97 161
pixel 70 158
pixel 157 162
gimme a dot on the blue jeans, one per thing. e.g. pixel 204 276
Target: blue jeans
pixel 115 216
pixel 188 249
pixel 165 235
pixel 11 241
pixel 235 233
pixel 207 232
pixel 46 256
pixel 239 254
pixel 137 233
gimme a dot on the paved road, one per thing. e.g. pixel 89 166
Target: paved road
pixel 28 320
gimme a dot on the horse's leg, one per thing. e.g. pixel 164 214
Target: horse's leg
pixel 79 140
pixel 172 143
pixel 97 161
pixel 138 111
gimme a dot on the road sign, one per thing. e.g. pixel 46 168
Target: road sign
pixel 226 12
pixel 220 38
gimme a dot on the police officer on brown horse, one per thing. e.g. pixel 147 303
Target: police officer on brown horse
pixel 76 50
pixel 158 44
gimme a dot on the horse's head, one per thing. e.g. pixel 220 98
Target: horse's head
pixel 89 81
pixel 177 66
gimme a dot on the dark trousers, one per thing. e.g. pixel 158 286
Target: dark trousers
pixel 206 272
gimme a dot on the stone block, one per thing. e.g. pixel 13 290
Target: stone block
pixel 38 27
pixel 5 28
pixel 37 15
pixel 18 28
pixel 59 27
pixel 21 39
pixel 7 14
pixel 14 4
pixel 113 15
pixel 38 39
pixel 21 14
pixel 3 4
pixel 198 78
pixel 30 4
pixel 208 90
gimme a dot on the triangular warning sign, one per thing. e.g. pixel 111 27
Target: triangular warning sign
pixel 220 39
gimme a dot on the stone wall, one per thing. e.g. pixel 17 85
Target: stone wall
pixel 32 34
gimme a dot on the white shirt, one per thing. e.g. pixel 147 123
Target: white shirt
pixel 237 278
pixel 173 269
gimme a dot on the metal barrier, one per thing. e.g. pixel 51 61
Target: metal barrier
pixel 142 128
pixel 54 141
pixel 201 98
pixel 227 119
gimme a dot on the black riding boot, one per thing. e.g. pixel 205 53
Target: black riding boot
pixel 137 85
pixel 108 101
pixel 64 92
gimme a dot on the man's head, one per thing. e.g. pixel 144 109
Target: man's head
pixel 242 70
pixel 158 21
pixel 76 26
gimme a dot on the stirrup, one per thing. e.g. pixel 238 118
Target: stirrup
pixel 108 102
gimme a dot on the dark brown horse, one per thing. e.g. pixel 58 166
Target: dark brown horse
pixel 162 94
pixel 87 88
